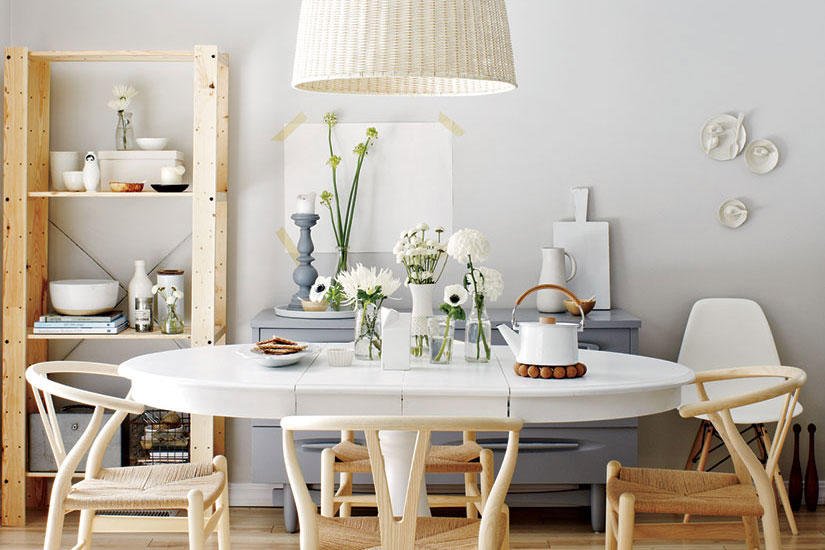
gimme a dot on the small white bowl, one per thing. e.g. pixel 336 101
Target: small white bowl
pixel 340 357
pixel 73 180
pixel 83 296
pixel 152 144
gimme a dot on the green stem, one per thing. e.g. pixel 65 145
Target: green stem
pixel 339 232
pixel 353 197
pixel 446 339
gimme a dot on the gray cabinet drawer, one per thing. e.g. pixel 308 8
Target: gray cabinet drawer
pixel 72 425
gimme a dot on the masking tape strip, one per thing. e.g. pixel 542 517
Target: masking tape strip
pixel 289 244
pixel 451 125
pixel 290 127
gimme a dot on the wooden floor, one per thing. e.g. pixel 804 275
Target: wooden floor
pixel 258 528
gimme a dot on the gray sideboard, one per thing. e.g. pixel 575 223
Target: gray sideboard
pixel 559 464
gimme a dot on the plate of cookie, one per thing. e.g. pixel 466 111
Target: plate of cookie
pixel 277 352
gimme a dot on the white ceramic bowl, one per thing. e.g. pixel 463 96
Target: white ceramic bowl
pixel 340 357
pixel 83 296
pixel 152 144
pixel 73 180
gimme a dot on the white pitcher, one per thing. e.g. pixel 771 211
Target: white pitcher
pixel 553 272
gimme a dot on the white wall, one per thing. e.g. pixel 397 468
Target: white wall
pixel 611 95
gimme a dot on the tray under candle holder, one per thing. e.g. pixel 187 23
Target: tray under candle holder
pixel 550 373
pixel 284 311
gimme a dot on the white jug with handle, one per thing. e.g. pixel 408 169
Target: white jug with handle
pixel 553 272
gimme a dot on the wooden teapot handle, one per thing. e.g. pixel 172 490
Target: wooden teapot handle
pixel 559 288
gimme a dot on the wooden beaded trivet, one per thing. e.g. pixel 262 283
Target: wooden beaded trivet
pixel 535 371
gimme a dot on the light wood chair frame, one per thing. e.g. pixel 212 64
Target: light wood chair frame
pixel 621 527
pixel 476 485
pixel 397 534
pixel 94 441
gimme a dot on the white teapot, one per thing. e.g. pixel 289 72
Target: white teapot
pixel 545 342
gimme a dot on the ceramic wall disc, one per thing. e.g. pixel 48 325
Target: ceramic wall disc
pixel 761 156
pixel 717 137
pixel 733 213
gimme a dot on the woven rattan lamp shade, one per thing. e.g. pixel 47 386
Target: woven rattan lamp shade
pixel 404 47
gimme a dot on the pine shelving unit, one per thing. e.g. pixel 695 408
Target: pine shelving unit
pixel 26 198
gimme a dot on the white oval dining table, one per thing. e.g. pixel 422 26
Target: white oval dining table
pixel 221 381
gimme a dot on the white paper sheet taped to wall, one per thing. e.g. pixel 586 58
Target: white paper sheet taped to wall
pixel 407 178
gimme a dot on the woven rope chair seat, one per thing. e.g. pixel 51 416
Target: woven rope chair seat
pixel 361 533
pixel 146 487
pixel 442 459
pixel 685 492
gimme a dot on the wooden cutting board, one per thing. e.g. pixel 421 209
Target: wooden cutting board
pixel 589 244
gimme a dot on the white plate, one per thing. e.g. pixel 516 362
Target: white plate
pixel 761 156
pixel 733 213
pixel 719 130
pixel 266 360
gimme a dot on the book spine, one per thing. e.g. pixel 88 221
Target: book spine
pixel 50 324
pixel 114 330
pixel 79 318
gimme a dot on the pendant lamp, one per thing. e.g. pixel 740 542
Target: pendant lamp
pixel 404 47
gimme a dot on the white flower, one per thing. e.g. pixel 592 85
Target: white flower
pixel 489 283
pixel 319 289
pixel 155 289
pixel 468 244
pixel 422 227
pixel 177 294
pixel 367 279
pixel 170 300
pixel 123 97
pixel 455 295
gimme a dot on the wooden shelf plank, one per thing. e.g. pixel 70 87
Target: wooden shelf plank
pixel 112 195
pixel 128 334
pixel 114 55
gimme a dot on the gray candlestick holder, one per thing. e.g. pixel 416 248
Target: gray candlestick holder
pixel 304 274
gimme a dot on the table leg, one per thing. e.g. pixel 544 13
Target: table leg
pixel 597 504
pixel 290 511
pixel 398 448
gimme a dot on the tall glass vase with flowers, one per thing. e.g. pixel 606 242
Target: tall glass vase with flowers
pixel 172 324
pixel 423 258
pixel 470 247
pixel 124 133
pixel 342 218
pixel 367 288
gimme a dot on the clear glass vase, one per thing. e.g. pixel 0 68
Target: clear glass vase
pixel 343 259
pixel 477 332
pixel 172 324
pixel 422 310
pixel 367 331
pixel 124 133
pixel 441 333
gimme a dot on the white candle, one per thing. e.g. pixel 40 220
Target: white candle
pixel 305 204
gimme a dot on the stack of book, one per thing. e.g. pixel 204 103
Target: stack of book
pixel 113 322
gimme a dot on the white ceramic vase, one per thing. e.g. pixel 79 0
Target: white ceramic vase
pixel 139 287
pixel 63 161
pixel 422 310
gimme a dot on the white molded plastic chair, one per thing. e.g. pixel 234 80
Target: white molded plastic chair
pixel 195 488
pixel 725 333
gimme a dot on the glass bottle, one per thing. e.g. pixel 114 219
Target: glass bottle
pixel 124 134
pixel 441 333
pixel 172 324
pixel 139 287
pixel 477 332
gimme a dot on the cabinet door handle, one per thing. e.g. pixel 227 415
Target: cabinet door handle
pixel 318 446
pixel 533 446
pixel 589 346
